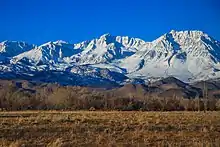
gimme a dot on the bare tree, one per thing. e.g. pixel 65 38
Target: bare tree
pixel 205 97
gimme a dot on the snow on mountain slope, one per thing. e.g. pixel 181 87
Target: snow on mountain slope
pixel 100 50
pixel 48 53
pixel 186 55
pixel 75 75
pixel 106 49
pixel 13 48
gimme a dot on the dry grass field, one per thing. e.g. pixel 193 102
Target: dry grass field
pixel 93 128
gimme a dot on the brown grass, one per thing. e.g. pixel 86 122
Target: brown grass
pixel 92 128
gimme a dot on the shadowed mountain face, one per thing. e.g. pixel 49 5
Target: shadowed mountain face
pixel 173 87
pixel 108 60
pixel 165 88
pixel 212 86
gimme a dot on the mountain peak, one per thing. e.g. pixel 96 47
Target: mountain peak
pixel 189 33
pixel 60 42
pixel 12 42
pixel 106 39
pixel 46 44
pixel 13 48
pixel 106 35
pixel 181 36
pixel 3 42
pixel 172 31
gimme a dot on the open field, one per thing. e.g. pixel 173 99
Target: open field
pixel 93 128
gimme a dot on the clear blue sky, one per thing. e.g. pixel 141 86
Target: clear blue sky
pixel 39 21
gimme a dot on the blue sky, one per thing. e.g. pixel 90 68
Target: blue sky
pixel 39 21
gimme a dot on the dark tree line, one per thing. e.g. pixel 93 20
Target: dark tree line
pixel 79 98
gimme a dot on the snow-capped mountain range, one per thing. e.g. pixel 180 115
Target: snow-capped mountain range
pixel 111 60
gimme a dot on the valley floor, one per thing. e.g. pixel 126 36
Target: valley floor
pixel 112 128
